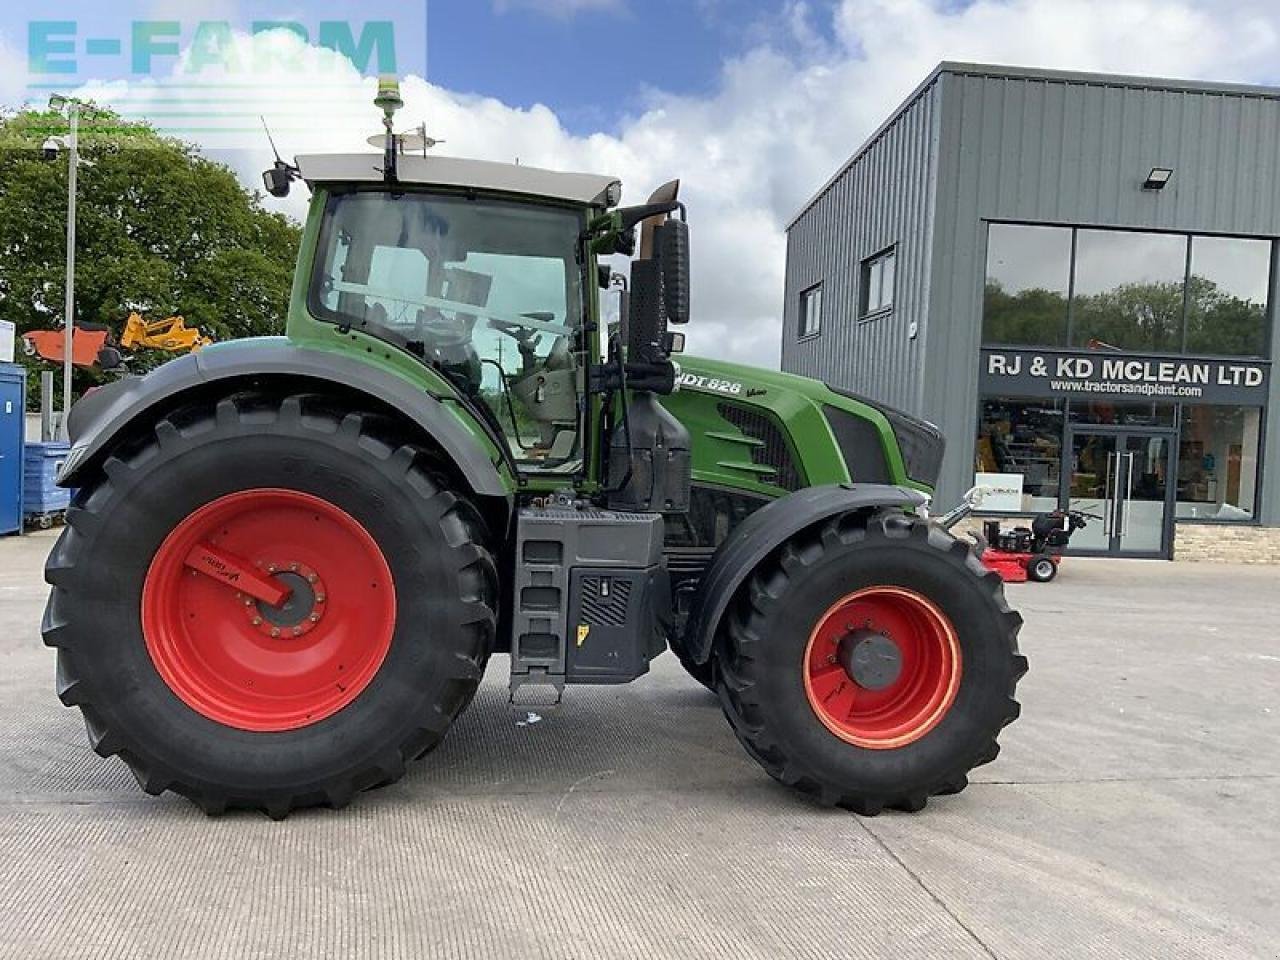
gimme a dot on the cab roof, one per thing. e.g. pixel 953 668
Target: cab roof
pixel 584 188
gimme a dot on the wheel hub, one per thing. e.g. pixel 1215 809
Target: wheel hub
pixel 300 612
pixel 882 667
pixel 871 659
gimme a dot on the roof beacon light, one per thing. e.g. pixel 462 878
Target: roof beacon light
pixel 388 101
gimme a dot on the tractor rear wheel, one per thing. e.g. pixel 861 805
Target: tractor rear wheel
pixel 871 663
pixel 269 603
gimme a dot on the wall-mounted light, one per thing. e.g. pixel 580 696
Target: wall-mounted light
pixel 1157 179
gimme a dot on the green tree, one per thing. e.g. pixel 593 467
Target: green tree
pixel 1133 316
pixel 1032 316
pixel 1218 322
pixel 161 230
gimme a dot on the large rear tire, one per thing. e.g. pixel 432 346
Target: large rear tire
pixel 234 703
pixel 871 663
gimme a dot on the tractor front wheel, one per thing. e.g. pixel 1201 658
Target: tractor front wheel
pixel 269 603
pixel 871 663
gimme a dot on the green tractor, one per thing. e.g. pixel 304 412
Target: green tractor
pixel 289 559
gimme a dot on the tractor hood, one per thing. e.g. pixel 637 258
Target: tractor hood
pixel 913 447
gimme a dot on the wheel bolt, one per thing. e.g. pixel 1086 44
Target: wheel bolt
pixel 257 621
pixel 293 566
pixel 311 578
pixel 315 617
pixel 275 631
pixel 297 631
pixel 320 598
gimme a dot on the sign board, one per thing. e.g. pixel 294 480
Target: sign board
pixel 1123 376
pixel 1001 491
pixel 6 341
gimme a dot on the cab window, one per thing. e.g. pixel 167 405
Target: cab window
pixel 488 292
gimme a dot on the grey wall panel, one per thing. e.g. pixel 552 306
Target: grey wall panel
pixel 884 198
pixel 1053 150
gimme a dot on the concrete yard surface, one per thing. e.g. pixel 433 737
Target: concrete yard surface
pixel 1134 812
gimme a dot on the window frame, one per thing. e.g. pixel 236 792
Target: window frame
pixel 1270 313
pixel 869 265
pixel 806 296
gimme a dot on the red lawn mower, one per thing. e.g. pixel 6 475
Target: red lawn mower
pixel 1023 553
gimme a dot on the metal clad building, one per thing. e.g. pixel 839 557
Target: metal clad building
pixel 1117 230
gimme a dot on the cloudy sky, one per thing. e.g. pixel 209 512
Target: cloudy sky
pixel 752 104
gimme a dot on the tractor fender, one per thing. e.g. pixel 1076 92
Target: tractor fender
pixel 757 536
pixel 103 415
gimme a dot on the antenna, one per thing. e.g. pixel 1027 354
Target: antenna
pixel 270 139
pixel 281 174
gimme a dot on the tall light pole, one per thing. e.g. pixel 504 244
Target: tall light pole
pixel 57 102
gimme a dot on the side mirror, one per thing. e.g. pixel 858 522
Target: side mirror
pixel 672 242
pixel 277 180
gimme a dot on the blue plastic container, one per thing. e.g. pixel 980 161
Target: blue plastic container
pixel 12 406
pixel 40 493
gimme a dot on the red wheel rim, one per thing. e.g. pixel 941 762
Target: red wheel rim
pixel 243 663
pixel 901 696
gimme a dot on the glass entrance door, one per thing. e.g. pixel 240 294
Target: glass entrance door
pixel 1122 478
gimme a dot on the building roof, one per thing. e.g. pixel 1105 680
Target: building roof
pixel 1033 73
pixel 585 188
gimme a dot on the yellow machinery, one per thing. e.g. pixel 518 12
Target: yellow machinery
pixel 170 334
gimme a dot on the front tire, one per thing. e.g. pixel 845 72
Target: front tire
pixel 1041 568
pixel 871 663
pixel 202 690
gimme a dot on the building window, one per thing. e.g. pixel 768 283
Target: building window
pixel 878 276
pixel 1129 291
pixel 1028 283
pixel 1021 444
pixel 811 311
pixel 1126 290
pixel 1021 441
pixel 1218 451
pixel 1227 296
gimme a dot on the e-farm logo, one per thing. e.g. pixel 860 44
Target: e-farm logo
pixel 55 47
pixel 210 78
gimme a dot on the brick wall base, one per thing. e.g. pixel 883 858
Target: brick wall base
pixel 1220 543
pixel 1192 542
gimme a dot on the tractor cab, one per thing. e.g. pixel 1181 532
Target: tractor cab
pixel 487 273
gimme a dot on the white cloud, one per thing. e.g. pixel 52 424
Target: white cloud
pixel 783 116
pixel 13 74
